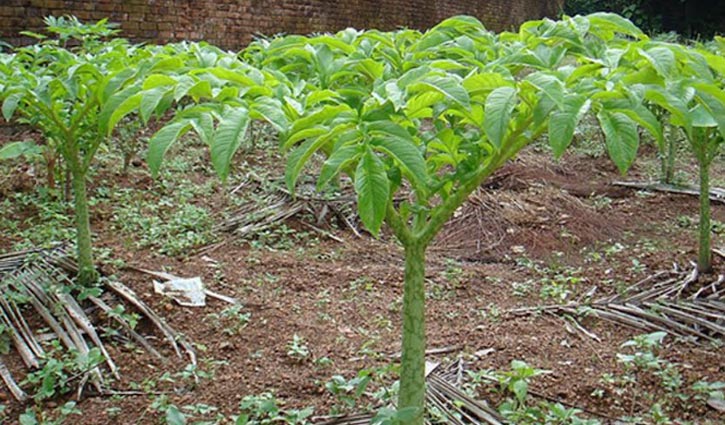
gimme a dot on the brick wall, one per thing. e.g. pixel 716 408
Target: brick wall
pixel 232 23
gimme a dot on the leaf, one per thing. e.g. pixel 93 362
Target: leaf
pixel 520 389
pixel 613 22
pixel 396 142
pixel 228 137
pixel 645 118
pixel 551 86
pixel 161 141
pixel 484 83
pixel 10 105
pixel 298 158
pixel 339 159
pixel 158 80
pixel 373 191
pixel 563 123
pixel 713 99
pixel 302 135
pixel 271 111
pixel 662 60
pixel 109 115
pixel 318 116
pixel 150 100
pixel 448 86
pixel 232 75
pixel 129 105
pixel 17 149
pixel 174 416
pixel 204 126
pixel 499 106
pixel 621 136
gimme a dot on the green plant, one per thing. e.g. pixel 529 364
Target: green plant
pixel 643 362
pixel 423 117
pixel 348 391
pixel 232 318
pixel 265 409
pixel 59 370
pixel 297 348
pixel 42 417
pixel 70 94
pixel 516 383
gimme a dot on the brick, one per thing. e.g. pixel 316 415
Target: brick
pixel 231 23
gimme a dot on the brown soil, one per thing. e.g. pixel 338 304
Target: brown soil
pixel 345 297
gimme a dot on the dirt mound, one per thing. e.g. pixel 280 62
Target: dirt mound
pixel 523 209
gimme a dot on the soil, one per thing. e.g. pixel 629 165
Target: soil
pixel 343 299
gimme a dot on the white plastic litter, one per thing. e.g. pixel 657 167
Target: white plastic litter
pixel 187 292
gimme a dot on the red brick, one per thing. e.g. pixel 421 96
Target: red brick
pixel 231 23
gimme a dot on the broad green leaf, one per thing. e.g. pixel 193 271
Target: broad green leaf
pixel 300 155
pixel 622 138
pixel 499 106
pixel 373 191
pixel 235 76
pixel 174 416
pixel 339 159
pixel 318 116
pixel 111 112
pixel 10 105
pixel 16 149
pixel 551 86
pixel 114 82
pixel 615 23
pixel 204 127
pixel 162 141
pixel 448 86
pixel 157 80
pixel 673 104
pixel 396 142
pixel 229 135
pixel 307 133
pixel 271 111
pixel 173 64
pixel 701 117
pixel 563 123
pixel 484 83
pixel 662 59
pixel 713 99
pixel 647 120
pixel 150 100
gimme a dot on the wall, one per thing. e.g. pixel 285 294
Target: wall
pixel 232 23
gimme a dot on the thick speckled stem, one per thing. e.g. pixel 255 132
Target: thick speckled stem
pixel 412 374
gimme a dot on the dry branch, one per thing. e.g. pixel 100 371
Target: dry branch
pixel 716 194
pixel 34 284
pixel 658 303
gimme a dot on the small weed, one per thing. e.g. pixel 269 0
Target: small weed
pixel 297 349
pixel 266 409
pixel 231 318
pixel 58 416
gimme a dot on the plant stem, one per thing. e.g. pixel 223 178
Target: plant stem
pixel 704 259
pixel 87 273
pixel 412 374
pixel 670 167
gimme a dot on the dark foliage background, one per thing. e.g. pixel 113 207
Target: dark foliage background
pixel 690 18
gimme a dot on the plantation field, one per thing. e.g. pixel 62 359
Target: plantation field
pixel 572 231
pixel 539 214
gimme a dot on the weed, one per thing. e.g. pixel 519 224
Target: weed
pixel 58 416
pixel 232 318
pixel 59 369
pixel 297 349
pixel 264 409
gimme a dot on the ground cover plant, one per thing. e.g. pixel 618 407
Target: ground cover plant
pixel 415 122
